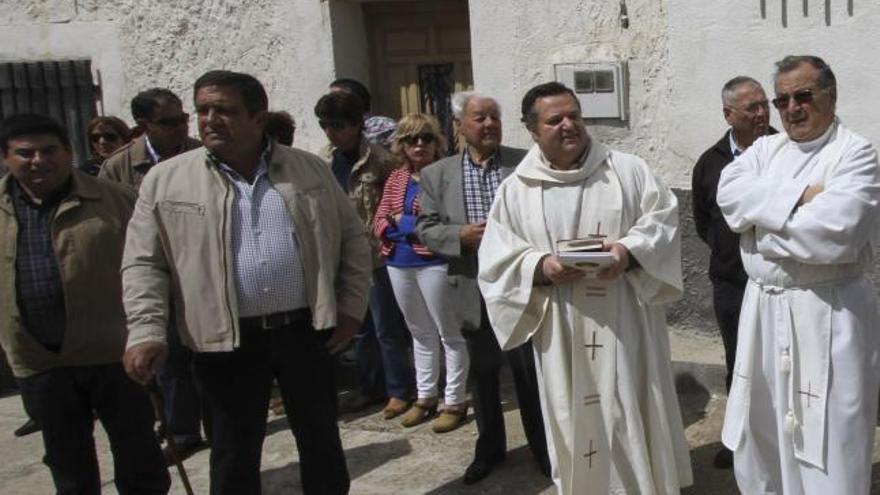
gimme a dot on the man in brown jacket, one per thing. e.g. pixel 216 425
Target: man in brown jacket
pixel 62 324
pixel 159 112
pixel 361 168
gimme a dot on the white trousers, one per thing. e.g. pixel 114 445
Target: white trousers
pixel 423 295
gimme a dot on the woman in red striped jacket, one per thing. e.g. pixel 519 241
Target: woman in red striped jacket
pixel 418 278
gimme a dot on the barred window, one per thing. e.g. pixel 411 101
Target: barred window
pixel 63 89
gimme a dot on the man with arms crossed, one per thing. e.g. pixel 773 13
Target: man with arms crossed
pixel 800 417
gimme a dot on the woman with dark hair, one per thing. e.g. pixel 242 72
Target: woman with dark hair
pixel 106 134
pixel 419 278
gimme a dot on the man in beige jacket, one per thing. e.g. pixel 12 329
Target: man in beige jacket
pixel 62 324
pixel 263 255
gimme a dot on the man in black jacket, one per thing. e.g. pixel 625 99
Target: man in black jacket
pixel 747 111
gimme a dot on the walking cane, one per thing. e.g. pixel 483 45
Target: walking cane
pixel 159 411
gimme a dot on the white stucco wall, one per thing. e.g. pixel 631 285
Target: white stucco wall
pixel 136 45
pixel 704 53
pixel 544 33
pixel 680 53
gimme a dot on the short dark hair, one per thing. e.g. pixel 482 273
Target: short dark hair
pixel 354 87
pixel 339 105
pixel 825 80
pixel 252 91
pixel 280 127
pixel 553 88
pixel 145 102
pixel 25 124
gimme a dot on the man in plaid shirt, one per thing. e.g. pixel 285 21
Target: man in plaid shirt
pixel 456 195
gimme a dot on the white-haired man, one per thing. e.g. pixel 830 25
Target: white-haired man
pixel 800 417
pixel 456 195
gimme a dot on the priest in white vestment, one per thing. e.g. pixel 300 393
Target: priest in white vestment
pixel 601 345
pixel 800 417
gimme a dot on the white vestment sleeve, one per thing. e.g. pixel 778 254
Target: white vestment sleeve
pixel 837 224
pixel 748 198
pixel 654 239
pixel 507 263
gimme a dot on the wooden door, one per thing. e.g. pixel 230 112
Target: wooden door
pixel 412 42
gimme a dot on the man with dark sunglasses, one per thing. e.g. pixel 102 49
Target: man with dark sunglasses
pixel 361 168
pixel 803 402
pixel 159 113
pixel 747 111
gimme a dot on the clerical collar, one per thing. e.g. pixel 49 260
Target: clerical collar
pixel 809 146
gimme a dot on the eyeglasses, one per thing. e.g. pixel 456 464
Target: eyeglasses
pixel 752 108
pixel 335 124
pixel 106 136
pixel 801 97
pixel 424 137
pixel 172 122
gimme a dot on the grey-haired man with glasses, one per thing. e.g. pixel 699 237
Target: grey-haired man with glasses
pixel 747 111
pixel 803 402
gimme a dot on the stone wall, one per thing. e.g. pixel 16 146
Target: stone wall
pixel 694 311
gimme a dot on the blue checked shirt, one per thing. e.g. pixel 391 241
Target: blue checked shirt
pixel 480 184
pixel 39 291
pixel 268 269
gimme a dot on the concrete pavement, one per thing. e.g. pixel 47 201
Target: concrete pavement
pixel 385 458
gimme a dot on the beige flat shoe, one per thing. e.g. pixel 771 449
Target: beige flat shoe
pixel 448 420
pixel 418 414
pixel 394 408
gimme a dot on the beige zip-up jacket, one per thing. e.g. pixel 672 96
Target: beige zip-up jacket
pixel 179 245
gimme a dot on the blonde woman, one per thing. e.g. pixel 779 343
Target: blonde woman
pixel 418 278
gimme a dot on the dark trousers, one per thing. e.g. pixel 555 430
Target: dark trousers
pixel 381 345
pixel 236 387
pixel 486 360
pixel 727 300
pixel 64 402
pixel 183 407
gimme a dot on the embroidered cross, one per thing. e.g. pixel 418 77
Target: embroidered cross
pixel 598 234
pixel 590 400
pixel 589 455
pixel 808 393
pixel 595 291
pixel 593 347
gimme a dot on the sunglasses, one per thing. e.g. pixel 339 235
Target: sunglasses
pixel 425 137
pixel 171 122
pixel 336 125
pixel 106 136
pixel 801 97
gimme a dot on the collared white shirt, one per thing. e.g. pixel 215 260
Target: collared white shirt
pixel 735 148
pixel 268 269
